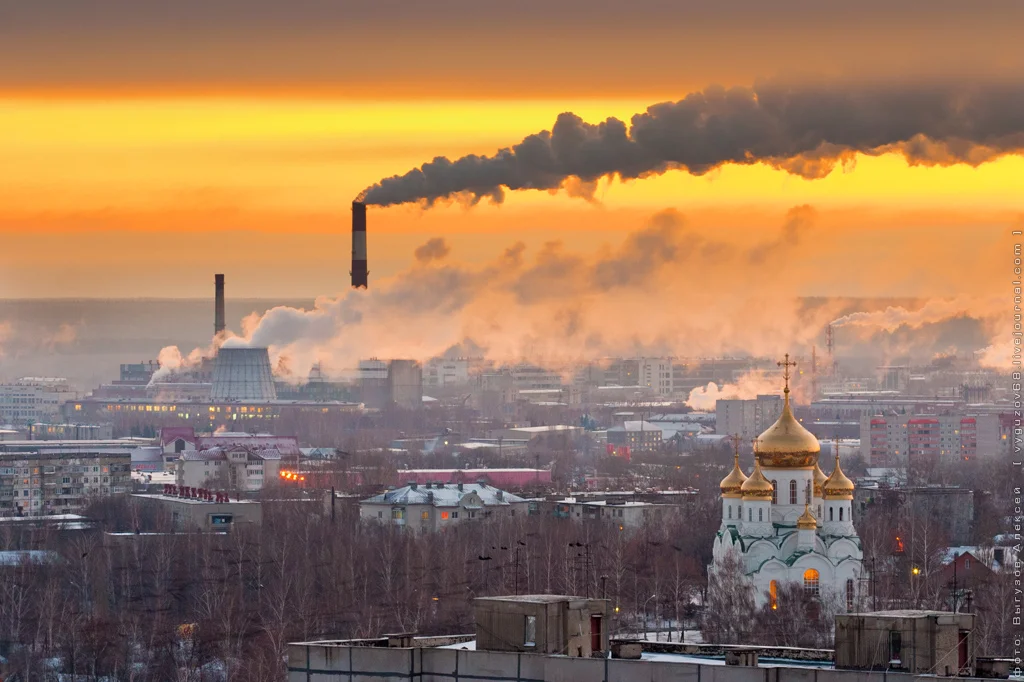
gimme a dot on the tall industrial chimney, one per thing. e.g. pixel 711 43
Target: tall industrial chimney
pixel 359 272
pixel 218 305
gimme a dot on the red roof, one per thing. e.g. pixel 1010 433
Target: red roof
pixel 169 434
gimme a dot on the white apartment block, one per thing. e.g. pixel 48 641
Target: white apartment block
pixel 656 374
pixel 441 372
pixel 34 399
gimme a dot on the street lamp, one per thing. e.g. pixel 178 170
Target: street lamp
pixel 645 613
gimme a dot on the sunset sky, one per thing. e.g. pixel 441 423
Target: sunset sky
pixel 148 145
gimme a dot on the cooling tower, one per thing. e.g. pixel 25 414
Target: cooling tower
pixel 359 273
pixel 218 305
pixel 242 374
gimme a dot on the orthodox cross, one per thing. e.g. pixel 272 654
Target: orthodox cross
pixel 785 365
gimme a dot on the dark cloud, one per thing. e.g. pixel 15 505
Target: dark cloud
pixel 803 129
pixel 462 46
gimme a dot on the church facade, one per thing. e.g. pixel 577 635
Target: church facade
pixel 787 521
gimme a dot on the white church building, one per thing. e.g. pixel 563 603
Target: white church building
pixel 787 521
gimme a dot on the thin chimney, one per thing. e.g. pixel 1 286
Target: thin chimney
pixel 359 272
pixel 218 310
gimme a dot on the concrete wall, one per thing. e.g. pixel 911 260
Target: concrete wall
pixel 562 627
pixel 929 644
pixel 333 662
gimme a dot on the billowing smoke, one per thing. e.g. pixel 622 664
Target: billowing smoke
pixel 667 288
pixel 893 317
pixel 172 361
pixel 747 387
pixel 805 130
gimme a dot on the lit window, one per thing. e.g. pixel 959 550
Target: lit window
pixel 444 516
pixel 773 594
pixel 811 582
pixel 425 515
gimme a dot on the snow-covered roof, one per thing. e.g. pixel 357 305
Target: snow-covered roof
pixel 445 495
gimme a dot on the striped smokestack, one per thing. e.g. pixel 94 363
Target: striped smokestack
pixel 218 305
pixel 359 272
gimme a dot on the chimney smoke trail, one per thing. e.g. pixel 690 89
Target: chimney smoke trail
pixel 805 130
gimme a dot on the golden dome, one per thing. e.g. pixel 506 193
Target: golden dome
pixel 819 481
pixel 807 520
pixel 838 486
pixel 732 483
pixel 757 486
pixel 786 444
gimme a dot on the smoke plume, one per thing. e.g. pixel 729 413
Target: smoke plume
pixel 433 249
pixel 747 387
pixel 805 130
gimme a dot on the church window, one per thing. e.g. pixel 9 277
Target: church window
pixel 750 515
pixel 819 512
pixel 840 513
pixel 775 492
pixel 730 511
pixel 849 594
pixel 807 495
pixel 773 594
pixel 831 514
pixel 811 582
pixel 792 492
pixel 760 514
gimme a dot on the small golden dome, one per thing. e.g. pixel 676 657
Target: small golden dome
pixel 819 481
pixel 807 520
pixel 838 486
pixel 757 486
pixel 732 483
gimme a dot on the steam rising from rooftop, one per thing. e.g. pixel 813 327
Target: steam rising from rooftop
pixel 805 130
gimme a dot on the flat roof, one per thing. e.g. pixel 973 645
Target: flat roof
pixel 536 598
pixel 189 500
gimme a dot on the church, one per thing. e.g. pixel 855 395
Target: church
pixel 787 521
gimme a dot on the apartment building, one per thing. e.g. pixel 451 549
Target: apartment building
pixel 433 506
pixel 902 439
pixel 34 399
pixel 60 480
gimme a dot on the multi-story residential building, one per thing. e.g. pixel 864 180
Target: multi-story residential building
pixel 908 439
pixel 735 417
pixel 433 506
pixel 60 479
pixel 637 436
pixel 627 514
pixel 656 374
pixel 444 372
pixel 231 467
pixel 33 399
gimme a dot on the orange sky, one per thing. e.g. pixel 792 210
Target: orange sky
pixel 153 145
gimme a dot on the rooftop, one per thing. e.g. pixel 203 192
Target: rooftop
pixel 187 500
pixel 445 495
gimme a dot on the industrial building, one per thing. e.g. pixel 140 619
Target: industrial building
pixel 434 506
pixel 242 374
pixel 637 436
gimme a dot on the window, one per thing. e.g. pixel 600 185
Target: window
pixel 444 516
pixel 967 562
pixel 811 586
pixel 807 494
pixel 750 515
pixel 425 515
pixel 792 492
pixel 831 514
pixel 760 515
pixel 849 594
pixel 773 595
pixel 530 631
pixel 730 511
pixel 221 519
pixel 819 512
pixel 775 492
pixel 455 515
pixel 895 645
pixel 840 513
